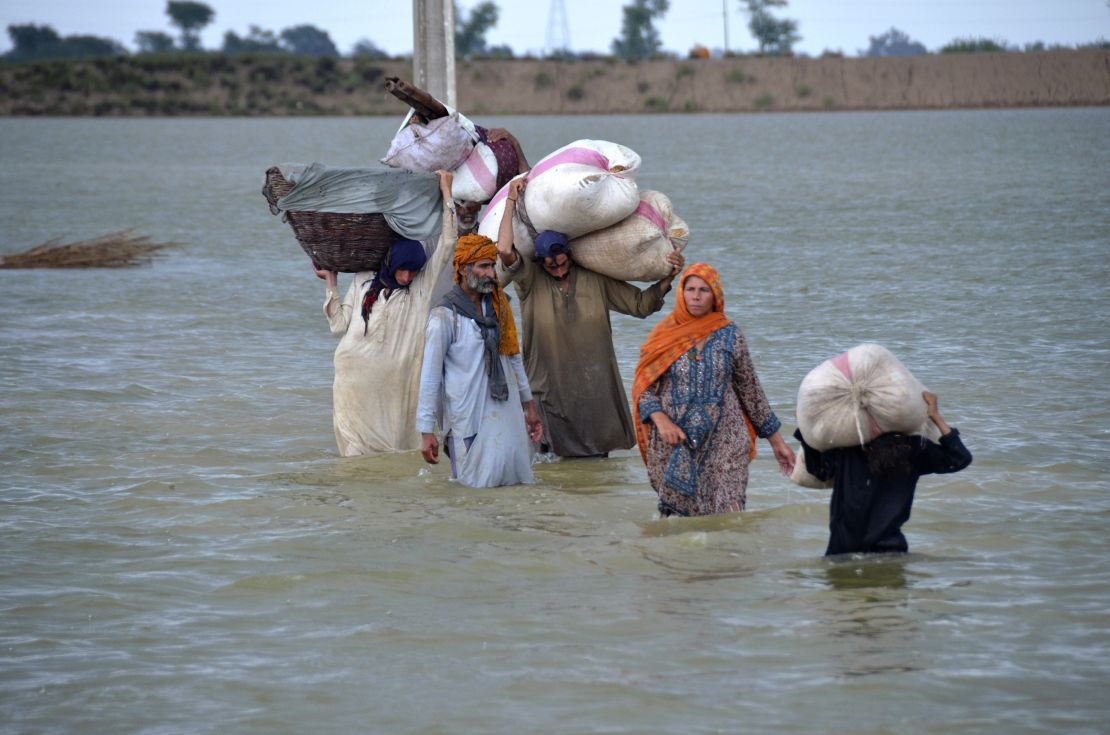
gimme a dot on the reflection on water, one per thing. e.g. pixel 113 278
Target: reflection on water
pixel 184 551
pixel 861 572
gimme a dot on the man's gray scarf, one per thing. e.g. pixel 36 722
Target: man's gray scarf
pixel 457 300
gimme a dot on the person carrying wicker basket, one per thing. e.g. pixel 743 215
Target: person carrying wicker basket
pixel 380 322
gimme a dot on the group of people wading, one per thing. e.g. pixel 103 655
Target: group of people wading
pixel 698 407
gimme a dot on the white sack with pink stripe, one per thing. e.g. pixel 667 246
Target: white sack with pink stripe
pixel 475 179
pixel 636 248
pixel 582 187
pixel 854 397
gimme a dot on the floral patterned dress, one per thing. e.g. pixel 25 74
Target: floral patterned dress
pixel 707 393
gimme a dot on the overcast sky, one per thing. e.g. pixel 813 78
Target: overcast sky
pixel 843 25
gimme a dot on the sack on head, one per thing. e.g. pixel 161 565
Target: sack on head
pixel 852 398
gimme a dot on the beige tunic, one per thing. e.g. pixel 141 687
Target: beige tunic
pixel 568 353
pixel 377 362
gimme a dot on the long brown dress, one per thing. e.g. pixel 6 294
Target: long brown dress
pixel 569 357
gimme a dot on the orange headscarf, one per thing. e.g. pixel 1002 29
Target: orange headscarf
pixel 672 338
pixel 471 249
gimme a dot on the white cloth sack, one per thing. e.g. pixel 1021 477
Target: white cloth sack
pixel 443 143
pixel 584 186
pixel 852 398
pixel 636 248
pixel 475 179
pixel 800 476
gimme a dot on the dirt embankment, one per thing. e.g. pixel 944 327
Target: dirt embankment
pixel 218 85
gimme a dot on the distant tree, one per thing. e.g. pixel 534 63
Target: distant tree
pixel 154 42
pixel 31 42
pixel 776 36
pixel 366 48
pixel 258 41
pixel 501 51
pixel 894 43
pixel 307 40
pixel 84 47
pixel 973 46
pixel 639 39
pixel 190 17
pixel 471 30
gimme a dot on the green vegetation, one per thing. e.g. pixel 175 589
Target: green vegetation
pixel 776 36
pixel 736 75
pixel 657 104
pixel 828 102
pixel 763 101
pixel 180 84
pixel 973 46
pixel 31 42
pixel 190 18
pixel 544 80
pixel 576 92
pixel 639 39
pixel 893 43
pixel 802 90
pixel 471 29
pixel 686 70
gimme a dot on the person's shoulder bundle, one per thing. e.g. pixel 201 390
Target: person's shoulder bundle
pixel 587 190
pixel 850 399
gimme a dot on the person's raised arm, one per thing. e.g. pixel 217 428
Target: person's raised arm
pixel 505 231
pixel 331 289
pixel 934 413
pixel 950 455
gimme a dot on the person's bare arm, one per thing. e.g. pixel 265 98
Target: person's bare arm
pixel 934 414
pixel 505 231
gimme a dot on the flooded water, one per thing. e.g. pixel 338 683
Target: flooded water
pixel 184 552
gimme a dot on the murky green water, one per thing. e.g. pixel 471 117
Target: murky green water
pixel 183 551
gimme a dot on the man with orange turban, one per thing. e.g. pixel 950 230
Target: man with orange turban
pixel 472 378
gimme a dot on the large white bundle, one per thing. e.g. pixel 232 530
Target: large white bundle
pixel 443 143
pixel 636 248
pixel 475 179
pixel 582 187
pixel 854 397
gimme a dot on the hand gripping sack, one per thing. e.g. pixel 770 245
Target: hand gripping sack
pixel 443 143
pixel 582 187
pixel 636 248
pixel 854 397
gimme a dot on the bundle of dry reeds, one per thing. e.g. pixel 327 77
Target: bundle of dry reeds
pixel 115 250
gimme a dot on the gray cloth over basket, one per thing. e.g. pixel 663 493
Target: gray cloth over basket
pixel 410 201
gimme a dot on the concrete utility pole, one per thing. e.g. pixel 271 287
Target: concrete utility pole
pixel 724 12
pixel 433 48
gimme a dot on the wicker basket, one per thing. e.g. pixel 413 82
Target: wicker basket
pixel 348 243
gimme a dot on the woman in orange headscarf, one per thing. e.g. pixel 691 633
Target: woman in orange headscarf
pixel 699 405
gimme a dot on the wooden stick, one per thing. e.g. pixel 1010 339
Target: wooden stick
pixel 423 103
